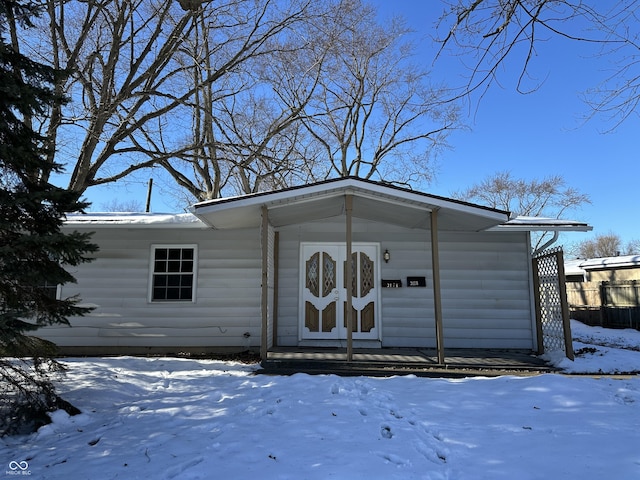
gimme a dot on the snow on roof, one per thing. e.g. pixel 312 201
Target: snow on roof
pixel 130 218
pixel 572 267
pixel 611 262
pixel 189 220
pixel 544 224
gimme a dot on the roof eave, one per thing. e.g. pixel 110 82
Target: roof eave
pixel 249 207
pixel 533 224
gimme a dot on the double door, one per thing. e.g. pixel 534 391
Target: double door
pixel 323 304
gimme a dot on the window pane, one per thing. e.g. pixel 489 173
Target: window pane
pixel 173 266
pixel 174 253
pixel 50 289
pixel 160 266
pixel 159 294
pixel 173 293
pixel 187 266
pixel 161 253
pixel 160 280
pixel 187 254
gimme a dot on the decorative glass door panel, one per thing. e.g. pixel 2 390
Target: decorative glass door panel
pixel 363 295
pixel 323 300
pixel 320 293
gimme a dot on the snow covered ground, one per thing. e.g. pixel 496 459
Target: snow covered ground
pixel 163 418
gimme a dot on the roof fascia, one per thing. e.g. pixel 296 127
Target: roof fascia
pixel 543 227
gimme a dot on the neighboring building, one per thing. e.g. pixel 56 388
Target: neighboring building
pixel 573 272
pixel 605 291
pixel 611 269
pixel 269 269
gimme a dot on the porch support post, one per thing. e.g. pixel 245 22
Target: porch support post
pixel 437 295
pixel 264 233
pixel 276 280
pixel 348 206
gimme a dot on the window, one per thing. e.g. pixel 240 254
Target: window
pixel 173 278
pixel 51 290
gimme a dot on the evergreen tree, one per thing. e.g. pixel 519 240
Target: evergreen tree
pixel 33 250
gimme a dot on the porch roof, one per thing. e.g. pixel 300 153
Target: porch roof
pixel 371 201
pixel 531 224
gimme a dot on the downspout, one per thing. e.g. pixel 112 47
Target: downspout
pixel 550 242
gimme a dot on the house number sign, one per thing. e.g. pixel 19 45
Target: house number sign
pixel 391 283
pixel 416 282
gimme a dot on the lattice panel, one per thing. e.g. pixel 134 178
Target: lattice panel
pixel 550 289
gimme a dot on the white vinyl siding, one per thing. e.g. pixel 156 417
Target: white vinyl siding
pixel 486 292
pixel 227 293
pixel 486 296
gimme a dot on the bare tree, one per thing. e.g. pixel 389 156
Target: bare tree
pixel 246 132
pixel 333 94
pixel 120 82
pixel 130 104
pixel 549 197
pixel 601 246
pixel 235 96
pixel 607 245
pixel 633 247
pixel 489 32
pixel 375 113
pixel 118 205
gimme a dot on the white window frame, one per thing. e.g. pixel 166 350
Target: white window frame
pixel 58 295
pixel 152 272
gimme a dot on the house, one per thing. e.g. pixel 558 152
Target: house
pixel 271 269
pixel 606 269
pixel 573 272
pixel 605 291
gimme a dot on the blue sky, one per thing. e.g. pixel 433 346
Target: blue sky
pixel 532 136
pixel 539 134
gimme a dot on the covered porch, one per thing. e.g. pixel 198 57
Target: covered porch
pixel 488 279
pixel 344 201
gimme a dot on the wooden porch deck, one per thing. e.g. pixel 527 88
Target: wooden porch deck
pixel 402 361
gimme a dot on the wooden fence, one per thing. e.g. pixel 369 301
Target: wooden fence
pixel 607 304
